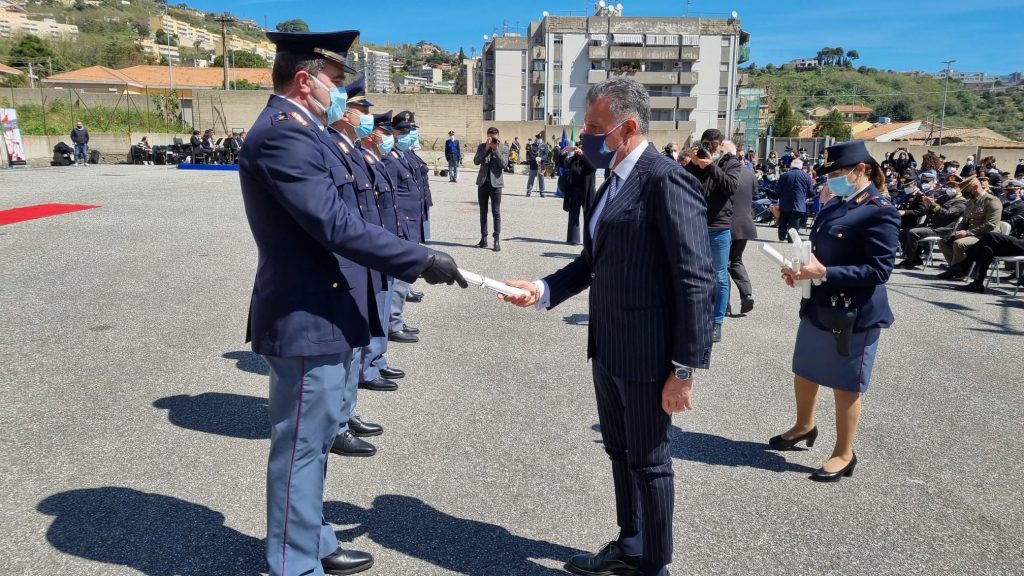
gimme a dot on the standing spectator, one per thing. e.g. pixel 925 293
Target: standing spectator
pixel 80 138
pixel 516 147
pixel 794 187
pixel 535 157
pixel 492 157
pixel 772 163
pixel 743 229
pixel 672 151
pixel 453 154
pixel 1018 172
pixel 969 168
pixel 577 184
pixel 719 174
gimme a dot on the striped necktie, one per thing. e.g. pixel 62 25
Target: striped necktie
pixel 613 188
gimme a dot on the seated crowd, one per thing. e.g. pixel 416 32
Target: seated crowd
pixel 202 148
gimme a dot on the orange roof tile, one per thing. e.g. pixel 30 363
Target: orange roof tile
pixel 879 130
pixel 159 76
pixel 92 75
pixel 850 109
pixel 5 69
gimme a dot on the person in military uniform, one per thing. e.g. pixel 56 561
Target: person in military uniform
pixel 409 199
pixel 981 216
pixel 941 213
pixel 306 316
pixel 854 238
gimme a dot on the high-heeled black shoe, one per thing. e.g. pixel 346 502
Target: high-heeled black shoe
pixel 780 443
pixel 820 475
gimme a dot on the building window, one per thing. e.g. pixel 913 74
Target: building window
pixel 721 115
pixel 683 115
pixel 725 40
pixel 723 91
pixel 724 67
pixel 661 115
pixel 690 40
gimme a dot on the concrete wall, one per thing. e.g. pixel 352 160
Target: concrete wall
pixel 113 147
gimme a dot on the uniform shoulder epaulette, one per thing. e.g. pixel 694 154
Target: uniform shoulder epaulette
pixel 299 118
pixel 344 147
pixel 861 198
pixel 395 154
pixel 368 157
pixel 879 201
pixel 279 117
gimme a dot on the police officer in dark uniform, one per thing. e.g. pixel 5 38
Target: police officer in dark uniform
pixel 409 199
pixel 854 239
pixel 423 179
pixel 306 313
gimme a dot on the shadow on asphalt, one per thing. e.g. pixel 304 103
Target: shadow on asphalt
pixel 535 241
pixel 577 319
pixel 412 527
pixel 449 244
pixel 566 255
pixel 223 414
pixel 154 534
pixel 247 361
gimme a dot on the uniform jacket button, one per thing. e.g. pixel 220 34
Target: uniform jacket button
pixel 335 285
pixel 592 275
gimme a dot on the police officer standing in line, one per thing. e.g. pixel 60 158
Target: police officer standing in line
pixel 409 203
pixel 421 171
pixel 305 318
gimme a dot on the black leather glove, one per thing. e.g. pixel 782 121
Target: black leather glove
pixel 441 269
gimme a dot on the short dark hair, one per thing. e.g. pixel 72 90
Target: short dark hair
pixel 492 130
pixel 712 135
pixel 288 64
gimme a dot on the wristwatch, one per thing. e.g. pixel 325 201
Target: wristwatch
pixel 684 372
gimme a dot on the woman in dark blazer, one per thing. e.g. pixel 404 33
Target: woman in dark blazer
pixel 577 187
pixel 854 239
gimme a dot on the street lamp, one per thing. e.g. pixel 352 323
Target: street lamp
pixel 942 122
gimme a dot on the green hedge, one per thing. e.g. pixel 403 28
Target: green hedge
pixel 59 118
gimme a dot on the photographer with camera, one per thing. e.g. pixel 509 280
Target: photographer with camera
pixel 492 158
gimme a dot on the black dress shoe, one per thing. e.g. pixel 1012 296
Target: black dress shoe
pixel 952 273
pixel 972 287
pixel 392 373
pixel 609 561
pixel 413 299
pixel 415 293
pixel 482 243
pixel 346 562
pixel 379 384
pixel 410 329
pixel 746 305
pixel 348 445
pixel 497 245
pixel 403 337
pixel 780 443
pixel 361 429
pixel 821 476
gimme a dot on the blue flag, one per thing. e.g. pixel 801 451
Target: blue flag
pixel 564 142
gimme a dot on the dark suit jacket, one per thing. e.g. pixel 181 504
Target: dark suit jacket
pixel 578 182
pixel 794 187
pixel 492 165
pixel 293 177
pixel 649 273
pixel 742 206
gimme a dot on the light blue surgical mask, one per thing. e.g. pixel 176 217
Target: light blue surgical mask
pixel 415 133
pixel 339 102
pixel 841 186
pixel 365 126
pixel 387 142
pixel 405 141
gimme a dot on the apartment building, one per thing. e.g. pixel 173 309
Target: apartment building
pixel 13 23
pixel 689 66
pixel 376 66
pixel 160 50
pixel 188 35
pixel 263 48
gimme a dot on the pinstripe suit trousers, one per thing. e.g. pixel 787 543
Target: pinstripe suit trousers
pixel 635 431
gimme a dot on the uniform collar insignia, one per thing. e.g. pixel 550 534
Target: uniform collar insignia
pixel 299 117
pixel 344 148
pixel 862 197
pixel 368 157
pixel 279 117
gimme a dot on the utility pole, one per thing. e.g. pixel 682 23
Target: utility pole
pixel 224 44
pixel 945 91
pixel 31 76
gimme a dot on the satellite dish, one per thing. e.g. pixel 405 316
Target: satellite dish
pixel 735 14
pixel 601 3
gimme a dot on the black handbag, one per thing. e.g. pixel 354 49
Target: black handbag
pixel 839 319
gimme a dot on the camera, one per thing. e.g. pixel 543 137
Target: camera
pixel 703 152
pixel 494 140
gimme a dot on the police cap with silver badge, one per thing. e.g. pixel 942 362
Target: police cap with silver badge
pixel 356 91
pixel 333 46
pixel 383 121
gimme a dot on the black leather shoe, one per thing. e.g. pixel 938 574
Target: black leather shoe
pixel 609 561
pixel 497 245
pixel 482 243
pixel 972 287
pixel 952 273
pixel 410 329
pixel 379 384
pixel 361 429
pixel 415 293
pixel 348 445
pixel 821 476
pixel 413 298
pixel 343 562
pixel 403 337
pixel 746 305
pixel 780 443
pixel 392 373
pixel 716 333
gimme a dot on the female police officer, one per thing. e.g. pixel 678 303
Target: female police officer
pixel 854 238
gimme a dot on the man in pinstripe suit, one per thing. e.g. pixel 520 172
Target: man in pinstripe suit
pixel 647 261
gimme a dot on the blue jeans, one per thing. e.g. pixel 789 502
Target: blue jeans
pixel 82 153
pixel 721 240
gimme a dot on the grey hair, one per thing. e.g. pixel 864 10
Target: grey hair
pixel 627 99
pixel 729 146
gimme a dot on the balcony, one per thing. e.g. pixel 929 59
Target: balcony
pixel 687 78
pixel 595 76
pixel 537 77
pixel 687 103
pixel 539 53
pixel 597 52
pixel 650 77
pixel 687 126
pixel 663 125
pixel 744 54
pixel 689 53
pixel 641 53
pixel 663 102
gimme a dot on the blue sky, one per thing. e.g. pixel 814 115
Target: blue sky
pixel 982 36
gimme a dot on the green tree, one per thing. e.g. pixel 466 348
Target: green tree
pixel 899 110
pixel 293 25
pixel 242 60
pixel 850 57
pixel 30 48
pixel 784 121
pixel 120 53
pixel 161 38
pixel 833 124
pixel 244 84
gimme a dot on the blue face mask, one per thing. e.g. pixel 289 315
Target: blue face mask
pixel 365 126
pixel 338 105
pixel 596 149
pixel 387 142
pixel 841 186
pixel 405 142
pixel 415 133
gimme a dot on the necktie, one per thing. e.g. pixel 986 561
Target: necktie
pixel 613 188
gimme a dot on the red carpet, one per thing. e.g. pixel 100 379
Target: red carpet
pixel 39 211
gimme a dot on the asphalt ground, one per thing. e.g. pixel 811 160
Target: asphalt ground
pixel 135 432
